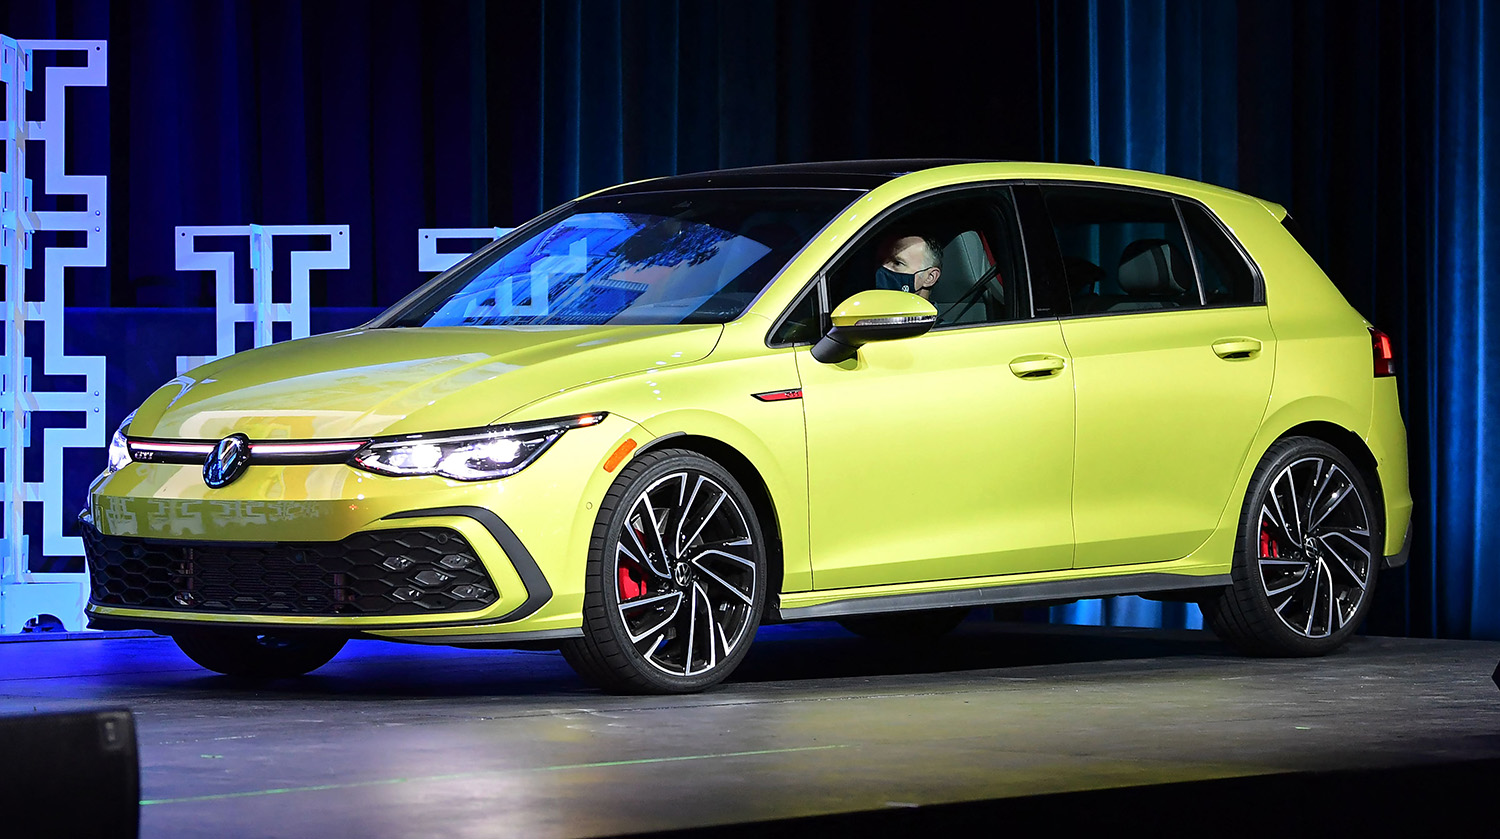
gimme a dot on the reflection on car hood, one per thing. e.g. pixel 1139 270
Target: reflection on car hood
pixel 370 382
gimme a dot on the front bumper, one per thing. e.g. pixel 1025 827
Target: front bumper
pixel 528 533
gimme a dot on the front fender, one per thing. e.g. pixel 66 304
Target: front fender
pixel 715 399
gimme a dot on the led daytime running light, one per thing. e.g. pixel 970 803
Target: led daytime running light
pixel 477 455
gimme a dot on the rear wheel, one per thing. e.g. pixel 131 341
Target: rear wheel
pixel 906 627
pixel 1309 546
pixel 254 655
pixel 676 578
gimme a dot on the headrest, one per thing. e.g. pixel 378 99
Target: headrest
pixel 966 254
pixel 1149 266
pixel 964 263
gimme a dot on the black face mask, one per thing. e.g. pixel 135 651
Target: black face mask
pixel 895 280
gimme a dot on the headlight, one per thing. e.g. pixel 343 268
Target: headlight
pixel 119 451
pixel 475 455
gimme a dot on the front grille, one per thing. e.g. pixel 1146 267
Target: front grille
pixel 416 571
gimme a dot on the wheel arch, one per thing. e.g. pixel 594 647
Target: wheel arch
pixel 1241 613
pixel 1327 419
pixel 754 484
pixel 1352 446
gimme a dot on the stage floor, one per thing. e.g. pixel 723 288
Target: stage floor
pixel 400 741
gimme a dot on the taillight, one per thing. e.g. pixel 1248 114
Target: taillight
pixel 1385 357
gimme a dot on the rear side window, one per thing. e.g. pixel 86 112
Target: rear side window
pixel 1122 250
pixel 1226 276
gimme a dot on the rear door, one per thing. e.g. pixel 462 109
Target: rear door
pixel 1173 357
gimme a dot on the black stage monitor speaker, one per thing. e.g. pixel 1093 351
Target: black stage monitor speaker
pixel 69 775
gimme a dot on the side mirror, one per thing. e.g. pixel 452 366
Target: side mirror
pixel 874 315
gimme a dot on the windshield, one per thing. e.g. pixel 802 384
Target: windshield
pixel 696 256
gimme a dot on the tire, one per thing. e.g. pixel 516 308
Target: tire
pixel 906 627
pixel 250 655
pixel 1307 554
pixel 647 606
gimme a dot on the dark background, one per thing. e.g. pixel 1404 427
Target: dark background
pixel 1369 120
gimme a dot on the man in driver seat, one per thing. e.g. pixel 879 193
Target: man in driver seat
pixel 909 263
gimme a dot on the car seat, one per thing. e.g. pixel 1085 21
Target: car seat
pixel 965 260
pixel 1148 274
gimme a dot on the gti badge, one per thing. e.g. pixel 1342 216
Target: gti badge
pixel 227 461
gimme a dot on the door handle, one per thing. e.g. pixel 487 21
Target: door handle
pixel 1037 366
pixel 1236 347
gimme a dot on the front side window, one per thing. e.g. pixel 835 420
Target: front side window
pixel 693 256
pixel 1122 250
pixel 961 252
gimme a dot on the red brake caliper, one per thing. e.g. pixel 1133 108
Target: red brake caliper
pixel 1268 546
pixel 632 579
pixel 631 586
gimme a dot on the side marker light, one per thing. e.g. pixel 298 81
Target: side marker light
pixel 619 455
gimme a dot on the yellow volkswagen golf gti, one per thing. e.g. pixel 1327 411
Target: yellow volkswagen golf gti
pixel 650 420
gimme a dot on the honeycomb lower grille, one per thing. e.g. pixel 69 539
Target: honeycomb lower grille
pixel 416 571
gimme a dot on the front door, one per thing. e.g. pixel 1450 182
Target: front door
pixel 930 459
pixel 949 455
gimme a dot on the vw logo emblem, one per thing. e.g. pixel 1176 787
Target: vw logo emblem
pixel 227 461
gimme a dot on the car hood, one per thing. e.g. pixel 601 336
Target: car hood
pixel 372 382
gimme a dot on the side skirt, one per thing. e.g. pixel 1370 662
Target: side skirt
pixel 1060 590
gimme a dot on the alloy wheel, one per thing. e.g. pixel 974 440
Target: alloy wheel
pixel 1316 554
pixel 685 574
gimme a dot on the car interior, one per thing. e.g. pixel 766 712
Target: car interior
pixel 1150 275
pixel 1122 251
pixel 980 262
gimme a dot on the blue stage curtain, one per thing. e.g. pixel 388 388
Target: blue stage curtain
pixel 1458 231
pixel 1369 119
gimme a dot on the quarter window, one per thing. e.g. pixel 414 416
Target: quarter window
pixel 1225 274
pixel 803 324
pixel 1122 250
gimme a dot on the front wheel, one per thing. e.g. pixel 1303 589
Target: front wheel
pixel 1309 545
pixel 676 578
pixel 253 655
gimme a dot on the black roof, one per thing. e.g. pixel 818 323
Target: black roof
pixel 836 174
